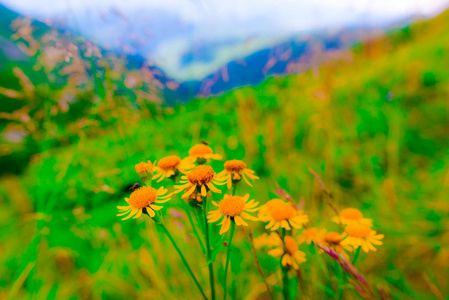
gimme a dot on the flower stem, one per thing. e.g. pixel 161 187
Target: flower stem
pixel 258 263
pixel 227 258
pixel 186 264
pixel 284 271
pixel 208 252
pixel 195 231
pixel 234 188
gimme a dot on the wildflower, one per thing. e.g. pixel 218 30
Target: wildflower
pixel 359 235
pixel 201 153
pixel 281 214
pixel 352 216
pixel 312 234
pixel 145 170
pixel 269 240
pixel 291 256
pixel 333 240
pixel 143 198
pixel 169 165
pixel 235 170
pixel 233 208
pixel 202 177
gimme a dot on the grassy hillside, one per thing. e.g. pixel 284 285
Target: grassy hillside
pixel 373 123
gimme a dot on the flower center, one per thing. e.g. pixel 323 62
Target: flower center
pixel 280 210
pixel 358 230
pixel 234 165
pixel 290 245
pixel 144 167
pixel 200 150
pixel 332 238
pixel 351 213
pixel 201 175
pixel 142 197
pixel 232 205
pixel 169 162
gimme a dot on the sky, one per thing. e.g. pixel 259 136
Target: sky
pixel 163 30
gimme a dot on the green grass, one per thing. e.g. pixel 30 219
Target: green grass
pixel 373 125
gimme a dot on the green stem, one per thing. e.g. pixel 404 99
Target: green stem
pixel 186 264
pixel 227 258
pixel 356 255
pixel 284 271
pixel 195 231
pixel 234 188
pixel 208 252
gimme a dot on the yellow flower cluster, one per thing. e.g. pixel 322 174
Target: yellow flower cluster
pixel 287 223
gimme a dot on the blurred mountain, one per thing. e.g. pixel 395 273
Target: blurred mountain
pixel 258 58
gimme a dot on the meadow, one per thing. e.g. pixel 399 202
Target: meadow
pixel 367 129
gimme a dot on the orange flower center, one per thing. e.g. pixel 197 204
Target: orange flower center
pixel 142 197
pixel 169 162
pixel 280 210
pixel 144 167
pixel 234 165
pixel 200 150
pixel 290 245
pixel 201 175
pixel 232 205
pixel 351 214
pixel 358 230
pixel 332 238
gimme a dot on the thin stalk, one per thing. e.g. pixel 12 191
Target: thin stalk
pixel 195 231
pixel 234 188
pixel 250 233
pixel 208 252
pixel 284 271
pixel 186 264
pixel 227 259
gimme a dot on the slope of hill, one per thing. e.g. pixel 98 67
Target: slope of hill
pixel 373 123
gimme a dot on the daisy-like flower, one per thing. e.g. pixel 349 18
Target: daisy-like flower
pixel 143 198
pixel 145 170
pixel 235 170
pixel 281 214
pixel 202 153
pixel 352 216
pixel 202 177
pixel 359 235
pixel 311 234
pixel 233 208
pixel 333 241
pixel 169 165
pixel 291 256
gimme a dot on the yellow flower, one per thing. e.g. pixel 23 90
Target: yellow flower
pixel 352 216
pixel 235 170
pixel 333 241
pixel 291 256
pixel 359 235
pixel 169 165
pixel 143 198
pixel 145 170
pixel 203 152
pixel 312 234
pixel 202 177
pixel 233 208
pixel 270 240
pixel 281 214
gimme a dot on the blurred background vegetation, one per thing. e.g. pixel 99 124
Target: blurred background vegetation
pixel 372 121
